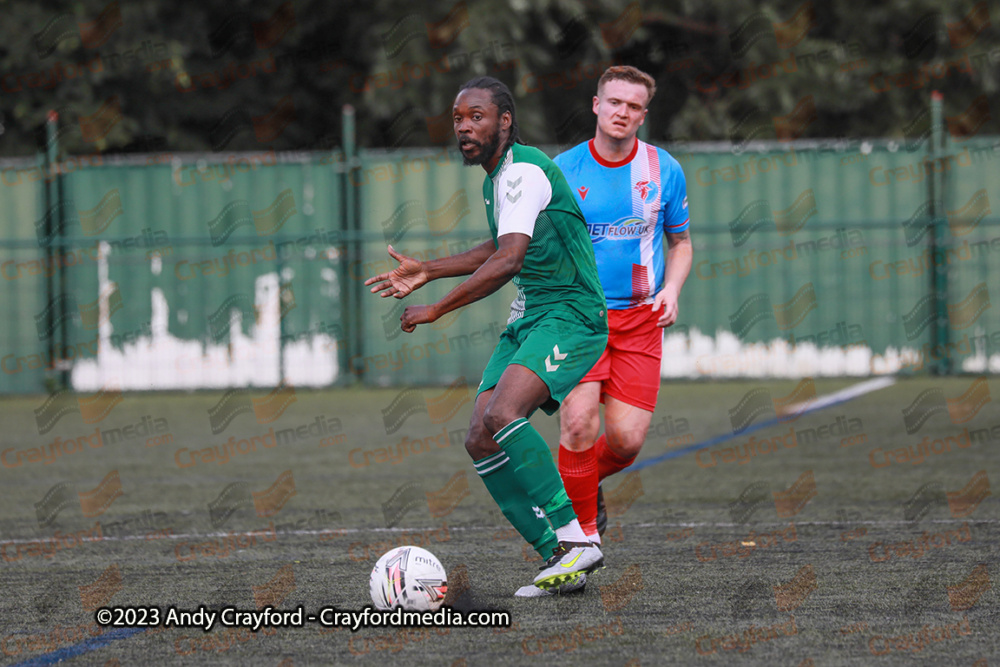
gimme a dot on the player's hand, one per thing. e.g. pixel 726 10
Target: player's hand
pixel 408 276
pixel 667 300
pixel 414 315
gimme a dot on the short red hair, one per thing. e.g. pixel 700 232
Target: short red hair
pixel 630 74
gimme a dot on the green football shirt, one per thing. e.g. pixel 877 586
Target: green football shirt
pixel 527 194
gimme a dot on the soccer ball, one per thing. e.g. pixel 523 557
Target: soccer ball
pixel 408 577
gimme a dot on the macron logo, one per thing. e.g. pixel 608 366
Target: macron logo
pixel 583 190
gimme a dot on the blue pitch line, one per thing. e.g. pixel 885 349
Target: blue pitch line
pixel 85 646
pixel 636 467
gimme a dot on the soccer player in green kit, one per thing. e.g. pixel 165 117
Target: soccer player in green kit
pixel 556 332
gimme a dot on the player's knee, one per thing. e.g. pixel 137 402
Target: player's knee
pixel 625 442
pixel 578 432
pixel 496 417
pixel 479 443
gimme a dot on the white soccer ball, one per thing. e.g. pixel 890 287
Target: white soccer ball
pixel 408 577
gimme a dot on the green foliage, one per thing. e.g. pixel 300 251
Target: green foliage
pixel 229 76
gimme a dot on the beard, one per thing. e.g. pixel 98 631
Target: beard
pixel 486 150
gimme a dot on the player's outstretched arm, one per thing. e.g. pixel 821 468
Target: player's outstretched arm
pixel 462 264
pixel 679 256
pixel 411 274
pixel 502 265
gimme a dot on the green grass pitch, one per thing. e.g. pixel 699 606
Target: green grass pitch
pixel 842 540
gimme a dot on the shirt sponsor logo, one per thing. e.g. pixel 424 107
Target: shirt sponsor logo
pixel 626 228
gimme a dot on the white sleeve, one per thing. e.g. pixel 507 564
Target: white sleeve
pixel 522 193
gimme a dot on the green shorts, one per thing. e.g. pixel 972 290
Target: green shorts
pixel 559 346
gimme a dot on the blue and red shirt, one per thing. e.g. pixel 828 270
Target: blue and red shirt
pixel 628 206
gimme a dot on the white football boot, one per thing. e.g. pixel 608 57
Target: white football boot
pixel 569 560
pixel 532 591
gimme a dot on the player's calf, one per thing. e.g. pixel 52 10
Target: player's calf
pixel 578 470
pixel 608 461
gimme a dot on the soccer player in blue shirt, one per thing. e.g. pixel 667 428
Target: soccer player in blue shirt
pixel 631 194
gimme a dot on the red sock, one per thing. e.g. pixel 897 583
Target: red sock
pixel 608 463
pixel 579 474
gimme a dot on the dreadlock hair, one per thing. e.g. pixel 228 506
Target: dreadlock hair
pixel 500 95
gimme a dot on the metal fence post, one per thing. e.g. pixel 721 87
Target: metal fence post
pixel 280 257
pixel 939 244
pixel 55 226
pixel 351 312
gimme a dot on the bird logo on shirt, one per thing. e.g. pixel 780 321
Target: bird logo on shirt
pixel 647 190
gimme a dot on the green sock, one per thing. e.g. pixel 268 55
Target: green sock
pixel 536 471
pixel 498 476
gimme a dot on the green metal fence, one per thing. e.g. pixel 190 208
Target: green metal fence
pixel 196 271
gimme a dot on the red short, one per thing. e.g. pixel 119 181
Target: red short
pixel 629 369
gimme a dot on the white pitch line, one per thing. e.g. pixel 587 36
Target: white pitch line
pixel 344 531
pixel 845 394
